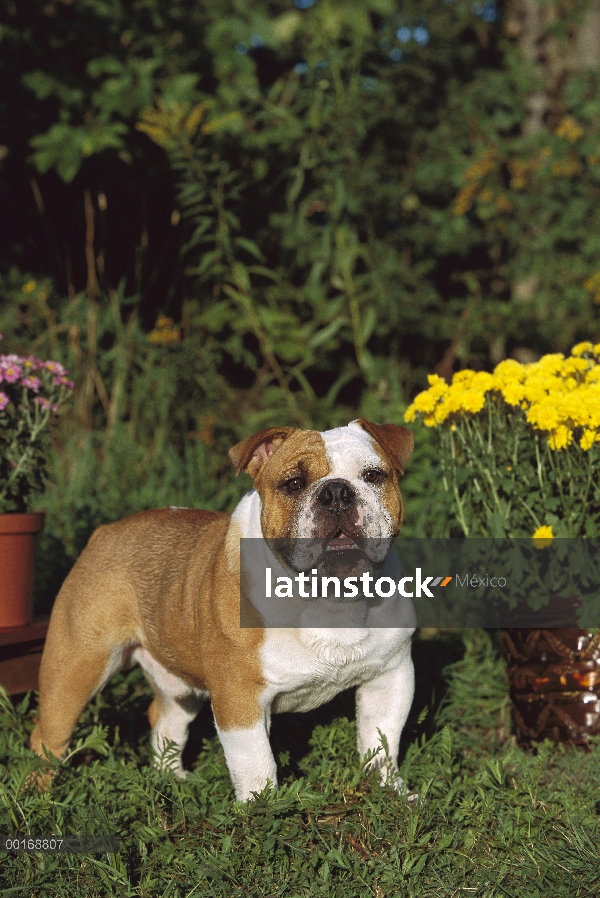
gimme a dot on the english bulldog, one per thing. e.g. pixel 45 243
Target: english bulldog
pixel 162 589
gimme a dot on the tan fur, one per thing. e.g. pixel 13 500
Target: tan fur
pixel 251 453
pixel 303 453
pixel 159 579
pixel 153 712
pixel 164 586
pixel 397 443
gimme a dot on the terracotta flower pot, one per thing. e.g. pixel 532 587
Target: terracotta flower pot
pixel 17 543
pixel 554 678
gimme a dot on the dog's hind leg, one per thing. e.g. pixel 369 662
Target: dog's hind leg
pixel 174 707
pixel 70 675
pixel 90 636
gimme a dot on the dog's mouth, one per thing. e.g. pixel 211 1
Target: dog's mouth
pixel 340 542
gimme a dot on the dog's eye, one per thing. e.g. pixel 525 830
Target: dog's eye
pixel 294 485
pixel 374 476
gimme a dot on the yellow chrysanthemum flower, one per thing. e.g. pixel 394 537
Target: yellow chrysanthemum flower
pixel 437 386
pixel 425 402
pixel 560 438
pixel 544 416
pixel 483 381
pixel 472 401
pixel 463 377
pixel 513 393
pixel 580 348
pixel 558 395
pixel 588 439
pixel 592 375
pixel 575 365
pixel 509 370
pixel 549 364
pixel 543 536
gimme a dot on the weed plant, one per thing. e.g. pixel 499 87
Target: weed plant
pixel 492 820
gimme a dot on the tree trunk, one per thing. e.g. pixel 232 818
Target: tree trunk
pixel 557 47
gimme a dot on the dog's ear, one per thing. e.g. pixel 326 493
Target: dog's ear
pixel 251 454
pixel 397 442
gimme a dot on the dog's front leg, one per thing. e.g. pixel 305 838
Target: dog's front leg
pixel 249 757
pixel 382 706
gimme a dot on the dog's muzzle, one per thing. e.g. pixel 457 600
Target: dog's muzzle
pixel 336 496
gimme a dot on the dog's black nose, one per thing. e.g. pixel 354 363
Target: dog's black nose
pixel 336 496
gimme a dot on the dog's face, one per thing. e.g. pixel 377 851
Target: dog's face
pixel 328 492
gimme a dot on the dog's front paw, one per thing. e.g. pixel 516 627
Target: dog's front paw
pixel 394 781
pixel 39 780
pixel 389 776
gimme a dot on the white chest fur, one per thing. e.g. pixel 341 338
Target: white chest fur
pixel 303 669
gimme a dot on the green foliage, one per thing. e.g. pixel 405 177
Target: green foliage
pixel 519 447
pixel 529 202
pixel 360 194
pixel 141 430
pixel 491 817
pixel 321 243
pixel 153 419
pixel 355 206
pixel 514 483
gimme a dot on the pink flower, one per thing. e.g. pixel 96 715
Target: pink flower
pixel 64 382
pixel 33 383
pixel 4 400
pixel 44 404
pixel 56 368
pixel 10 369
pixel 32 361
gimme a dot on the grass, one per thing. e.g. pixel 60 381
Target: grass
pixel 493 820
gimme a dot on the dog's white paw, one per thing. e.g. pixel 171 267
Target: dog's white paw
pixel 391 779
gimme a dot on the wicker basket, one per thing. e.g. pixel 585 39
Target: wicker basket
pixel 554 678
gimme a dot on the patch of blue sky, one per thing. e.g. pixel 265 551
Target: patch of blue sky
pixel 421 35
pixel 486 10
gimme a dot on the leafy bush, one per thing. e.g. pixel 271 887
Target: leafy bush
pixel 327 200
pixel 152 422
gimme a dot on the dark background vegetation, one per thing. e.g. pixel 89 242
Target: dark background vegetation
pixel 224 215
